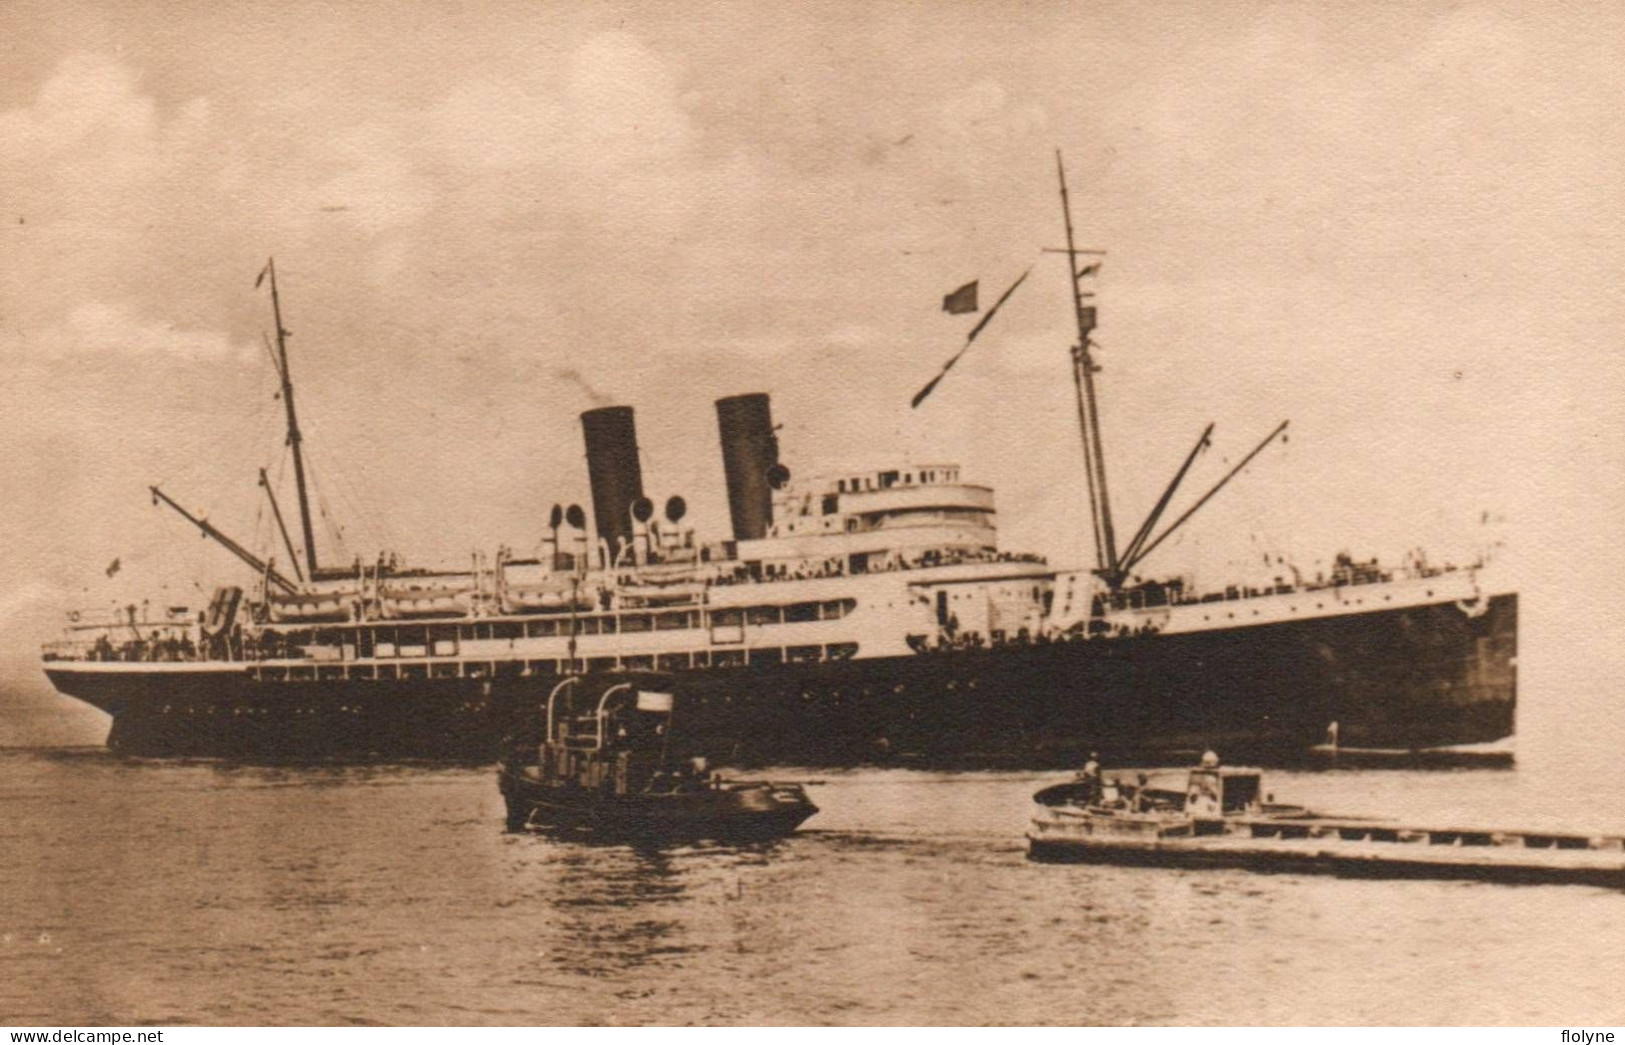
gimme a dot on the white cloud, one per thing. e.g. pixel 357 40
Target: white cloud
pixel 88 95
pixel 496 124
pixel 97 330
pixel 984 110
pixel 599 143
pixel 27 600
pixel 586 151
pixel 624 102
pixel 377 183
pixel 612 107
pixel 89 138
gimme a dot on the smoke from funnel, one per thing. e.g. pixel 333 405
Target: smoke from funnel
pixel 572 375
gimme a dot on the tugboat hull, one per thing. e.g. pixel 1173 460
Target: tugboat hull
pixel 733 813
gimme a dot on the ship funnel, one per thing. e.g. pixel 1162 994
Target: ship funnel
pixel 613 472
pixel 749 453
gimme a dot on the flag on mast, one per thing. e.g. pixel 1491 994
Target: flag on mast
pixel 919 397
pixel 113 568
pixel 261 277
pixel 962 300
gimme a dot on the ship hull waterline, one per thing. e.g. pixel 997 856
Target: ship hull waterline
pixel 1412 678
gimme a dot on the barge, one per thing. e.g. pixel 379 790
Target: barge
pixel 1223 819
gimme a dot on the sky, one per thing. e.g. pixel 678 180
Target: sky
pixel 1398 226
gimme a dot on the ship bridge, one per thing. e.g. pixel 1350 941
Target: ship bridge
pixel 871 519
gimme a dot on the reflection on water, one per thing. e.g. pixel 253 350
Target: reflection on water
pixel 204 892
pixel 613 911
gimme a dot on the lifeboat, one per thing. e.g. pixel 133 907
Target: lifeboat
pixel 427 596
pixel 662 594
pixel 550 596
pixel 659 586
pixel 311 606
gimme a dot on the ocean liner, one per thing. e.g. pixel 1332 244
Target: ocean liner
pixel 851 617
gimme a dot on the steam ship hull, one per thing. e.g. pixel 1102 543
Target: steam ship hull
pixel 1418 677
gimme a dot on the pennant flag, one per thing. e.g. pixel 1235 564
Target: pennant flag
pixel 919 397
pixel 1089 270
pixel 261 277
pixel 113 568
pixel 962 300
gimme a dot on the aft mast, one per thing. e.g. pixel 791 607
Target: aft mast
pixel 1083 378
pixel 294 439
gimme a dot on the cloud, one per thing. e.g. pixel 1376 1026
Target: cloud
pixel 600 144
pixel 96 330
pixel 558 191
pixel 377 182
pixel 624 101
pixel 30 599
pixel 87 95
pixel 495 124
pixel 99 186
pixel 612 107
pixel 985 111
pixel 89 136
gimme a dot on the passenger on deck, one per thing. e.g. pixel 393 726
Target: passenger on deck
pixel 1210 759
pixel 1141 800
pixel 1089 776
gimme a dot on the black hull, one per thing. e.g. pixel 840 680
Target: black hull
pixel 752 814
pixel 1410 678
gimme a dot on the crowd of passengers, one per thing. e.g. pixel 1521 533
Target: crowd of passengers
pixel 167 648
pixel 952 638
pixel 272 646
pixel 835 567
pixel 238 645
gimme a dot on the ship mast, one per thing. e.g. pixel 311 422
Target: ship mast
pixel 1111 565
pixel 276 513
pixel 1083 379
pixel 294 438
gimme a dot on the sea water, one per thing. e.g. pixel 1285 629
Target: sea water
pixel 198 892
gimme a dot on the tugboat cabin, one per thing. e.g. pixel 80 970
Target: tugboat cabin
pixel 1224 791
pixel 616 743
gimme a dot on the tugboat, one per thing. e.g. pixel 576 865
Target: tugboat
pixel 1223 819
pixel 606 767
